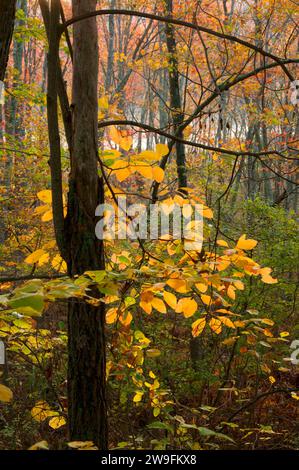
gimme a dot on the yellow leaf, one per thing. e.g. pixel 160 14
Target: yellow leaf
pixel 109 365
pixel 159 305
pixel 222 264
pixel 170 299
pixel 103 102
pixel 156 412
pixel 59 264
pixel 138 397
pixel 215 325
pixel 198 327
pixel 42 445
pixel 268 279
pixel 158 174
pixel 35 256
pixel 244 244
pixel 145 171
pixel 162 150
pixel 284 334
pixel 45 196
pixel 239 285
pixel 206 299
pixel 5 394
pixel 126 142
pixel 224 310
pixel 149 155
pixel 47 216
pixel 201 287
pixel 267 321
pixel 49 245
pixel 122 174
pixel 126 319
pixel 187 306
pixel 153 352
pixel 272 379
pixel 187 211
pixel 179 285
pixel 231 292
pixel 41 209
pixel 239 324
pixel 111 153
pixel 207 213
pixel 43 259
pixel 230 341
pixel 121 138
pixel 111 316
pixel 42 411
pixel 146 306
pixel 227 322
pixel 82 445
pixel 222 243
pixel 57 422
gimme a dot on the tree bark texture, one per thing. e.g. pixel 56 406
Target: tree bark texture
pixel 7 18
pixel 86 366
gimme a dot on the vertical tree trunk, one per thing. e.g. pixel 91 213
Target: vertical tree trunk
pixel 86 367
pixel 175 98
pixel 7 17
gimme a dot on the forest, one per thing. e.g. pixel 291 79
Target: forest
pixel 149 246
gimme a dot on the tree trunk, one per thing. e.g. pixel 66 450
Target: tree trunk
pixel 7 17
pixel 86 367
pixel 175 99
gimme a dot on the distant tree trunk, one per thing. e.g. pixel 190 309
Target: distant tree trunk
pixel 111 50
pixel 14 121
pixel 175 98
pixel 86 367
pixel 163 87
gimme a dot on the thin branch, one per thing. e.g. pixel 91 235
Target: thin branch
pixel 178 22
pixel 67 36
pixel 175 138
pixel 31 277
pixel 258 397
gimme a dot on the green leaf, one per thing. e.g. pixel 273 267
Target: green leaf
pixel 29 304
pixel 160 425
